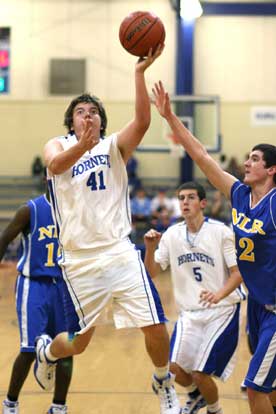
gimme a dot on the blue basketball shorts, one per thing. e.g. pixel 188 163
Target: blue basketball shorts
pixel 39 306
pixel 261 375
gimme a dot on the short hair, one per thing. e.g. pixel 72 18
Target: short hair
pixel 269 155
pixel 193 185
pixel 85 98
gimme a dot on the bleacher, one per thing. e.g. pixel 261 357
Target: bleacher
pixel 14 191
pixel 170 184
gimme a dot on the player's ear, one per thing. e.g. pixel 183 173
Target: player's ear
pixel 203 203
pixel 271 170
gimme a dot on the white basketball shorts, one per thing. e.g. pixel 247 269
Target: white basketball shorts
pixel 97 279
pixel 206 340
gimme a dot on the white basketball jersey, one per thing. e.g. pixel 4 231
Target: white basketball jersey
pixel 90 200
pixel 199 265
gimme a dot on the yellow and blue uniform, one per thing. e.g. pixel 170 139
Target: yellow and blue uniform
pixel 255 231
pixel 39 287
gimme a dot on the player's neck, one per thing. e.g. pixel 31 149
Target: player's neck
pixel 259 191
pixel 194 224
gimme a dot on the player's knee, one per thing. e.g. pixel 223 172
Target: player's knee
pixel 27 357
pixel 174 368
pixel 254 395
pixel 79 348
pixel 79 344
pixel 199 377
pixel 158 332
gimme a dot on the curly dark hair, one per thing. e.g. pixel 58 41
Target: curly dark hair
pixel 269 155
pixel 85 98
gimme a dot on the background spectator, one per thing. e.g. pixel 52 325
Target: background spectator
pixel 38 173
pixel 162 219
pixel 234 168
pixel 133 181
pixel 220 208
pixel 161 200
pixel 140 206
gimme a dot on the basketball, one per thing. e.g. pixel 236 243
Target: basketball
pixel 141 30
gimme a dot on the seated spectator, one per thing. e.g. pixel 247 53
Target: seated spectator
pixel 140 206
pixel 133 181
pixel 37 166
pixel 223 162
pixel 234 168
pixel 161 200
pixel 38 173
pixel 163 220
pixel 220 208
pixel 175 212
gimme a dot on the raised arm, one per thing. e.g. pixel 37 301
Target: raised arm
pixel 219 178
pixel 19 224
pixel 131 135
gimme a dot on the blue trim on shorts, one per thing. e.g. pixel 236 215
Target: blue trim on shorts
pixel 173 339
pixel 262 335
pixel 155 294
pixel 43 310
pixel 224 347
pixel 72 319
pixel 157 301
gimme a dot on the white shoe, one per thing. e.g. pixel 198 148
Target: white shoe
pixel 44 371
pixel 169 403
pixel 194 403
pixel 10 407
pixel 57 409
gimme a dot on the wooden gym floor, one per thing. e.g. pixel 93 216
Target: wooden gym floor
pixel 114 374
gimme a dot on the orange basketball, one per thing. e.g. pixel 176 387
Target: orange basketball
pixel 140 31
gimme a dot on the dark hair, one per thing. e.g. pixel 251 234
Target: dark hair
pixel 193 185
pixel 85 98
pixel 269 155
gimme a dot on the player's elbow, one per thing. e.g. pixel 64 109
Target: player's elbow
pixel 143 122
pixel 55 167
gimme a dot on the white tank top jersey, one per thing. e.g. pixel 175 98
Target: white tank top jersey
pixel 90 200
pixel 200 264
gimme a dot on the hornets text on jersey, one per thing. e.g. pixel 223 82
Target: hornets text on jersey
pixel 90 200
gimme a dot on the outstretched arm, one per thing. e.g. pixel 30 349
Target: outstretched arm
pixel 219 178
pixel 151 240
pixel 207 298
pixel 131 135
pixel 19 223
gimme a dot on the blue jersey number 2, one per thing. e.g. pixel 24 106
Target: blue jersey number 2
pixel 197 274
pixel 96 181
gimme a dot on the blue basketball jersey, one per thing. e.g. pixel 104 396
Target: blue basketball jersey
pixel 255 231
pixel 39 248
